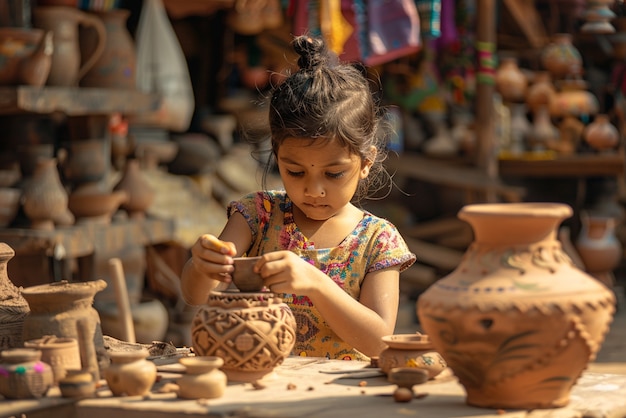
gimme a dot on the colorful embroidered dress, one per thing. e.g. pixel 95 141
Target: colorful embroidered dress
pixel 373 245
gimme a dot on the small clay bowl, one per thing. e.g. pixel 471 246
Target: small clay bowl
pixel 244 276
pixel 407 377
pixel 77 384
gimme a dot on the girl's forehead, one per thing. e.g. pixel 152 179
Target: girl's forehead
pixel 321 151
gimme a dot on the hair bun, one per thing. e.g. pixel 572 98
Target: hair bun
pixel 313 52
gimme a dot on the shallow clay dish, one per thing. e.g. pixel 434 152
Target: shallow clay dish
pixel 244 277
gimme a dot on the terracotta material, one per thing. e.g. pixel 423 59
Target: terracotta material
pixel 410 351
pixel 13 306
pixel 203 379
pixel 116 66
pixel 130 374
pixel 541 92
pixel 45 199
pixel 77 384
pixel 244 276
pixel 516 321
pixel 62 354
pixel 574 99
pixel 511 82
pixel 85 160
pixel 601 134
pixel 407 377
pixel 68 64
pixel 24 56
pixel 598 246
pixel 542 131
pixel 140 193
pixel 56 308
pixel 29 154
pixel 149 319
pixel 561 58
pixel 96 207
pixel 23 375
pixel 252 332
pixel 10 201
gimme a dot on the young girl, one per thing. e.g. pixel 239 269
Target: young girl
pixel 335 265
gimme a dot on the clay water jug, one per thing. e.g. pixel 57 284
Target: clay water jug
pixel 25 56
pixel 140 192
pixel 45 200
pixel 252 332
pixel 13 306
pixel 116 66
pixel 516 321
pixel 69 65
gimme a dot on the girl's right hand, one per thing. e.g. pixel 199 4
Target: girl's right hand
pixel 213 257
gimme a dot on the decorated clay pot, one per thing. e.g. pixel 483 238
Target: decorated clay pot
pixel 130 373
pixel 516 321
pixel 252 332
pixel 13 306
pixel 561 58
pixel 573 99
pixel 202 379
pixel 410 350
pixel 62 354
pixel 23 375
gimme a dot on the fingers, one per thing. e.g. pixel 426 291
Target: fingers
pixel 211 242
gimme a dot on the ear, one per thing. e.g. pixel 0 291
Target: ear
pixel 367 162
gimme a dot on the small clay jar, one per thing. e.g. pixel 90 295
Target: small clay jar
pixel 23 375
pixel 410 350
pixel 244 276
pixel 77 384
pixel 130 373
pixel 601 135
pixel 140 192
pixel 62 354
pixel 511 82
pixel 203 378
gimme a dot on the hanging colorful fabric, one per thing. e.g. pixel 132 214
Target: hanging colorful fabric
pixel 335 28
pixel 393 30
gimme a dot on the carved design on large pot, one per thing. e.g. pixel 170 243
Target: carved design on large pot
pixel 252 332
pixel 517 321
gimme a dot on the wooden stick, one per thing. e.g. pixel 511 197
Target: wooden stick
pixel 125 316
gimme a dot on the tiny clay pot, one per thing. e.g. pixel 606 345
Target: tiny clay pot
pixel 244 276
pixel 130 373
pixel 203 378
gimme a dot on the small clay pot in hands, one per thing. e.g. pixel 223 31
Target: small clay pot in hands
pixel 244 276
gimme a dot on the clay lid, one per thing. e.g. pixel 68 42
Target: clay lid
pixel 415 341
pixel 20 355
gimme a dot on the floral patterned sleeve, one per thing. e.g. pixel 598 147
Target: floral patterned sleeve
pixel 387 248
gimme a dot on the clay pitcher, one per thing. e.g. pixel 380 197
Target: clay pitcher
pixel 116 66
pixel 64 22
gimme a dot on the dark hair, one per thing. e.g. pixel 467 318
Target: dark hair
pixel 327 99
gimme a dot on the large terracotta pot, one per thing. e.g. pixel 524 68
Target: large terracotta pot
pixel 516 321
pixel 252 332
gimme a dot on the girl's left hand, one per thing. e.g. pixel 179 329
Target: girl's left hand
pixel 286 272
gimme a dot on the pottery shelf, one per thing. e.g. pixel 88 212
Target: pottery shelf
pixel 76 101
pixel 85 242
pixel 580 165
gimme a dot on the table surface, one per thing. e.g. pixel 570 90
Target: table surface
pixel 313 387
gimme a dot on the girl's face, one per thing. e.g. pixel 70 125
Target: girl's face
pixel 319 176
